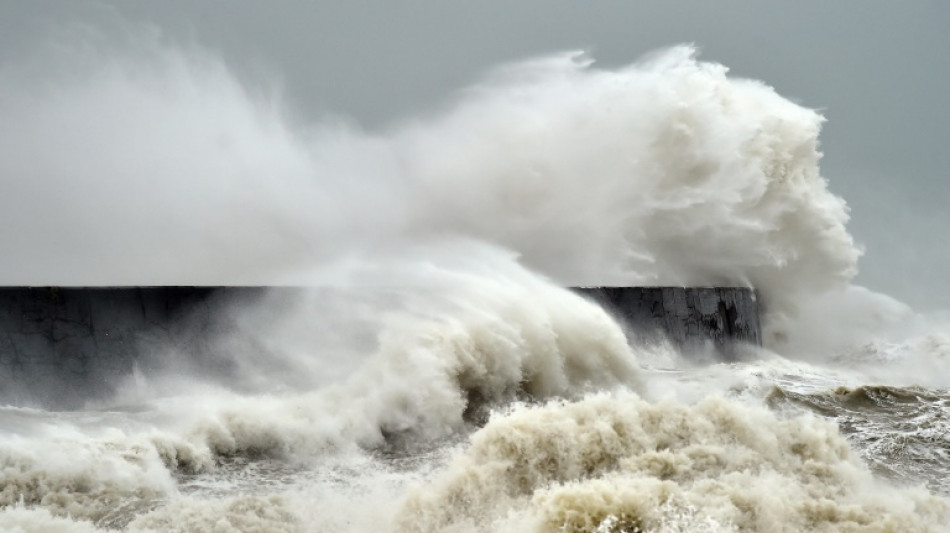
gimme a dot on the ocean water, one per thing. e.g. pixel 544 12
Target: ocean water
pixel 450 383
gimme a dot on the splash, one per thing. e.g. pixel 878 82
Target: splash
pixel 170 171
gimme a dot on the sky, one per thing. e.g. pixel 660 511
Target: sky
pixel 877 70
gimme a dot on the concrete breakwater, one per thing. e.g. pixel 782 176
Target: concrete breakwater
pixel 63 346
pixel 687 316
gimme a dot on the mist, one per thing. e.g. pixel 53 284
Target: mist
pixel 156 165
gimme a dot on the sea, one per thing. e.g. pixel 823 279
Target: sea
pixel 439 377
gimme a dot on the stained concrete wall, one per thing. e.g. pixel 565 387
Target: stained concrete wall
pixel 687 316
pixel 62 346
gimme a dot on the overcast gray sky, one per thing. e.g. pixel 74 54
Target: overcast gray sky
pixel 878 70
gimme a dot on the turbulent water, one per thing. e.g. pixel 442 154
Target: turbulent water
pixel 442 380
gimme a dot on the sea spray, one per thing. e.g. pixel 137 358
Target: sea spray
pixel 666 172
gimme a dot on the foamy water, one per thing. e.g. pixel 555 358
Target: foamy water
pixel 441 379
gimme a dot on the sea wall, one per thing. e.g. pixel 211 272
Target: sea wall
pixel 687 316
pixel 64 346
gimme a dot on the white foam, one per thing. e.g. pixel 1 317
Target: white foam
pixel 620 463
